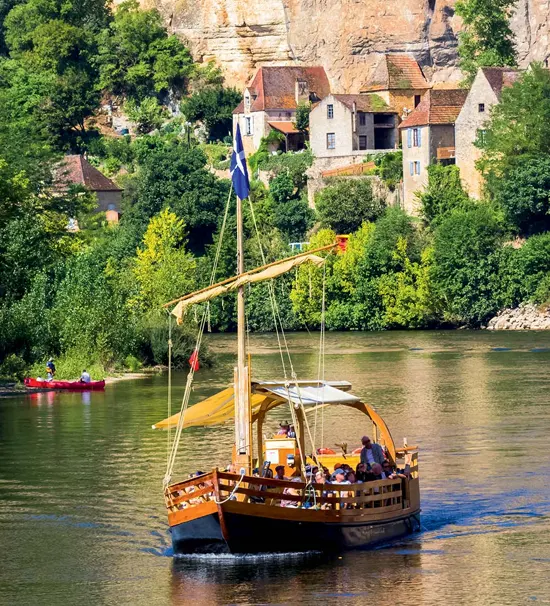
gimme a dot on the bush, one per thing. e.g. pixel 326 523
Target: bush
pixel 13 367
pixel 443 194
pixel 389 167
pixel 346 203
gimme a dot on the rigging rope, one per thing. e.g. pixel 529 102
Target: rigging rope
pixel 191 374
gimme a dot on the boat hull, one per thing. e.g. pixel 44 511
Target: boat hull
pixel 66 385
pixel 257 534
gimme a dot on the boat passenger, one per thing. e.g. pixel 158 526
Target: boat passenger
pixel 339 477
pixel 280 473
pixel 50 370
pixel 284 429
pixel 85 377
pixel 371 453
pixel 291 432
pixel 291 491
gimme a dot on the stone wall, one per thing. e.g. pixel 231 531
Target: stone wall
pixel 525 317
pixel 344 36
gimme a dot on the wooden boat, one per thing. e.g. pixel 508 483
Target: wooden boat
pixel 67 385
pixel 238 512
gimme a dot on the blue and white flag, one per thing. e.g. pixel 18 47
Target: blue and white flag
pixel 239 172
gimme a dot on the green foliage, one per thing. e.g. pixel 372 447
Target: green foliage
pixel 443 194
pixel 13 366
pixel 273 142
pixel 346 203
pixel 148 115
pixel 163 268
pixel 302 116
pixel 389 167
pixel 292 215
pixel 529 270
pixel 294 164
pixel 468 264
pixel 487 38
pixel 213 106
pixel 138 59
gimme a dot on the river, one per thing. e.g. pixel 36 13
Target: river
pixel 81 510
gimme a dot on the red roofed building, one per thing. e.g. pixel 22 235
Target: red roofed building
pixel 428 137
pixel 75 169
pixel 398 79
pixel 270 102
pixel 485 93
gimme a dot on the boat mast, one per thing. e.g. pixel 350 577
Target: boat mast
pixel 243 446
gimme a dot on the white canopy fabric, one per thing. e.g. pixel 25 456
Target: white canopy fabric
pixel 309 395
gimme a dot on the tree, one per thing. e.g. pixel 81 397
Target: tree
pixel 468 264
pixel 148 115
pixel 443 194
pixel 389 167
pixel 213 106
pixel 515 147
pixel 138 59
pixel 292 215
pixel 171 175
pixel 487 38
pixel 344 205
pixel 302 116
pixel 51 45
pixel 163 268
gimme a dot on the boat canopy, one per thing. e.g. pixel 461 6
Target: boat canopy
pixel 277 269
pixel 265 396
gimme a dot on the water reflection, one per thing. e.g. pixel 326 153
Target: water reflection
pixel 81 513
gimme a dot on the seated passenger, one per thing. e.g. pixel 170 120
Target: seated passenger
pixel 291 432
pixel 284 429
pixel 294 492
pixel 338 477
pixel 85 377
pixel 280 473
pixel 351 477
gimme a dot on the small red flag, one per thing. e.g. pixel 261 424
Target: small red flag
pixel 194 361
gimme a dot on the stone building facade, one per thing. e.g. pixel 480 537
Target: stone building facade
pixel 484 94
pixel 428 137
pixel 351 125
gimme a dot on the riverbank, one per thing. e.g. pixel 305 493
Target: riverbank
pixel 525 317
pixel 15 389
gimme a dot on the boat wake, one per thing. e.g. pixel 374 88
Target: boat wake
pixel 228 558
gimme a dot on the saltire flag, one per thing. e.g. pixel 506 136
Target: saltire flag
pixel 194 361
pixel 239 172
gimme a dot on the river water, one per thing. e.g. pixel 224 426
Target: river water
pixel 81 510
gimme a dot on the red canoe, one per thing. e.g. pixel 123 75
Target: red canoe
pixel 70 385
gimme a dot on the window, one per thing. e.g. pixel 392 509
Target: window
pixel 362 118
pixel 362 142
pixel 247 101
pixel 417 168
pixel 416 137
pixel 482 135
pixel 330 112
pixel 331 141
pixel 248 125
pixel 481 108
pixel 417 99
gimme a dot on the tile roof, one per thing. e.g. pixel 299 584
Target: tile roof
pixel 365 103
pixel 397 71
pixel 284 127
pixel 275 86
pixel 500 77
pixel 438 106
pixel 76 169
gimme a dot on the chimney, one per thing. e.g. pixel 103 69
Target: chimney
pixel 301 91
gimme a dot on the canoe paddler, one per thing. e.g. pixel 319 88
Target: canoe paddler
pixel 85 377
pixel 50 370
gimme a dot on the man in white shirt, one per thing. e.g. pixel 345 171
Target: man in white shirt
pixel 85 377
pixel 371 453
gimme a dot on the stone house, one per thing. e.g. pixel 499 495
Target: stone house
pixel 75 169
pixel 428 137
pixel 398 79
pixel 270 102
pixel 343 126
pixel 485 92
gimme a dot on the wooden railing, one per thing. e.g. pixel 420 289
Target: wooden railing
pixel 379 496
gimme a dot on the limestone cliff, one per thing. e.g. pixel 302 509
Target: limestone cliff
pixel 344 36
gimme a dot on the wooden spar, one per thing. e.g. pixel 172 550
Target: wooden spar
pixel 247 273
pixel 243 449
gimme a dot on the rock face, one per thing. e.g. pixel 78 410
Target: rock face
pixel 344 36
pixel 525 317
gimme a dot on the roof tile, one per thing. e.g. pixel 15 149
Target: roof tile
pixel 438 106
